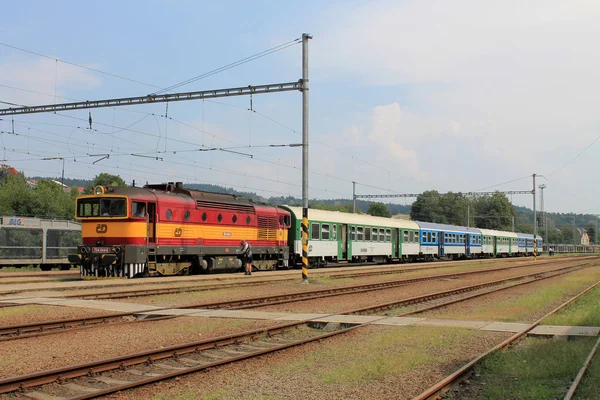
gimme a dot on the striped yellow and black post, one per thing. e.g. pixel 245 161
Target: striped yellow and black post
pixel 305 245
pixel 534 248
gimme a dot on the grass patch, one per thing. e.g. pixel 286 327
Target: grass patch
pixel 19 310
pixel 520 309
pixel 391 352
pixel 583 312
pixel 590 385
pixel 534 369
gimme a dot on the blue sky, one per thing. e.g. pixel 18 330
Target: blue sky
pixel 405 96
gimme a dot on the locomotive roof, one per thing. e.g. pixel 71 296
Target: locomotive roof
pixel 196 195
pixel 354 219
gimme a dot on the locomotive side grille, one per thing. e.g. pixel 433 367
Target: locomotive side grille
pixel 267 227
pixel 225 206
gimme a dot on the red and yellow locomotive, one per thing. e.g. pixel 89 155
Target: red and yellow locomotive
pixel 169 230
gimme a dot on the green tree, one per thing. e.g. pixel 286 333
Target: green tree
pixel 47 199
pixel 494 212
pixel 105 179
pixel 378 210
pixel 427 208
pixel 347 208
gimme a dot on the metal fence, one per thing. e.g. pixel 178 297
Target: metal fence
pixel 35 241
pixel 573 248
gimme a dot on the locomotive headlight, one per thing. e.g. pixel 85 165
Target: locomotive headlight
pixel 113 250
pixel 88 250
pixel 99 190
pixel 117 250
pixel 82 250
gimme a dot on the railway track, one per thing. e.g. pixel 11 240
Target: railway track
pixel 250 282
pixel 102 377
pixel 50 327
pixel 464 372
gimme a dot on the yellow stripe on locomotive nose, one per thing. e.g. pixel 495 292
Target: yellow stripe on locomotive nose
pixel 124 229
pixel 129 229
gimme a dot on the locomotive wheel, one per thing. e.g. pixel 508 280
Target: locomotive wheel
pixel 65 267
pixel 45 267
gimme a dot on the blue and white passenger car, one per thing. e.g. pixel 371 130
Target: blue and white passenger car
pixel 450 241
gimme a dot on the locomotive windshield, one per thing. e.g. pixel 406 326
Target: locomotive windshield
pixel 101 207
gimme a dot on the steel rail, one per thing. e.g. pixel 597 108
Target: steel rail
pixel 251 282
pixel 445 384
pixel 11 332
pixel 33 329
pixel 152 359
pixel 245 282
pixel 464 289
pixel 473 296
pixel 581 372
pixel 315 294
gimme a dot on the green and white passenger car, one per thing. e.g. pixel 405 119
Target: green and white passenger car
pixel 343 237
pixel 499 243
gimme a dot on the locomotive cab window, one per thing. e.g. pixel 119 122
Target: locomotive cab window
pixel 105 207
pixel 138 209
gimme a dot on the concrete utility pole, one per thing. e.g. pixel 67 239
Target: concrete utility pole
pixel 544 219
pixel 534 221
pixel 353 197
pixel 305 38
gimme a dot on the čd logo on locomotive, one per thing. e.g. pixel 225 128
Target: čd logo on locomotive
pixel 101 228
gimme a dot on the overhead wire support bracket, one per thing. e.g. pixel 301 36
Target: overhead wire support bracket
pixel 159 98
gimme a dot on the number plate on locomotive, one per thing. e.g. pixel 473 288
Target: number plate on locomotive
pixel 100 249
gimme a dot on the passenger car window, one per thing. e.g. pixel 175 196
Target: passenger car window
pixel 315 229
pixel 325 231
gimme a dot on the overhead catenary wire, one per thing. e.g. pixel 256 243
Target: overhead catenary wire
pixel 262 115
pixel 231 65
pixel 575 158
pixel 78 65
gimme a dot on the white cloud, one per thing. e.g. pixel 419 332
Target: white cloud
pixel 44 76
pixel 508 87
